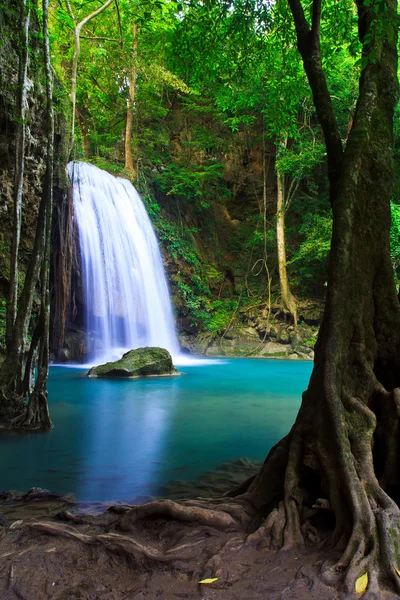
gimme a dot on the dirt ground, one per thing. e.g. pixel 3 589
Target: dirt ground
pixel 49 550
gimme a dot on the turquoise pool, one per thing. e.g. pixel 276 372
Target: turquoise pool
pixel 119 440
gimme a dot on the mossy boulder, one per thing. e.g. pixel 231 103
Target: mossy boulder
pixel 142 362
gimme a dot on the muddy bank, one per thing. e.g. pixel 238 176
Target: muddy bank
pixel 50 550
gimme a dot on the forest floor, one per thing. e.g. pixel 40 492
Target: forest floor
pixel 86 562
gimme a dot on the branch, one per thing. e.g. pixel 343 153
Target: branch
pixel 308 43
pixel 92 15
pixel 121 41
pixel 100 39
pixel 69 9
pixel 316 19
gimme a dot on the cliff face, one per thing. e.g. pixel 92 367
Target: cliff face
pixel 35 141
pixel 35 149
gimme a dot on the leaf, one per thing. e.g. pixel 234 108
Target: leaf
pixel 397 571
pixel 361 583
pixel 209 580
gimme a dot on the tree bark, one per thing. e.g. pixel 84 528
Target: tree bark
pixel 38 412
pixel 129 166
pixel 287 299
pixel 19 167
pixel 344 446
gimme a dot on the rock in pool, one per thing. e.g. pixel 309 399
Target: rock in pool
pixel 142 362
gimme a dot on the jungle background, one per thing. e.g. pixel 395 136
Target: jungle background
pixel 206 108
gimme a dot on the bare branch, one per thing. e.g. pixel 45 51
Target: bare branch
pixel 100 39
pixel 69 9
pixel 121 41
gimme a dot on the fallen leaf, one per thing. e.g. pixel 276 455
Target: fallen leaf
pixel 209 580
pixel 361 583
pixel 397 571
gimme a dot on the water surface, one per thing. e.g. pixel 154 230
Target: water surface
pixel 117 440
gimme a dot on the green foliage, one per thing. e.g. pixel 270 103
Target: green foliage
pixel 395 239
pixel 300 161
pixel 220 89
pixel 220 314
pixel 309 263
pixel 194 184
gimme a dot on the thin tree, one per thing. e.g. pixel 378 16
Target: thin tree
pixel 131 105
pixel 77 42
pixel 282 201
pixel 38 411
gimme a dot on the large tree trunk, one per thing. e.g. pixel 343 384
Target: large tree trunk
pixel 345 445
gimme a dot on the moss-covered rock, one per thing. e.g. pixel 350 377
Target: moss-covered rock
pixel 141 362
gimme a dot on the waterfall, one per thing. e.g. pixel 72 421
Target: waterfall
pixel 127 299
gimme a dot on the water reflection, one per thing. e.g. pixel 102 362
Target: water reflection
pixel 125 441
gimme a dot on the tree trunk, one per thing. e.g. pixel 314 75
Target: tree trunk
pixel 77 51
pixel 38 412
pixel 19 168
pixel 287 299
pixel 129 166
pixel 345 446
pixel 62 267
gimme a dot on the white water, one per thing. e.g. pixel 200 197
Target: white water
pixel 127 299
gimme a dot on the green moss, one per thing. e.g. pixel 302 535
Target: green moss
pixel 141 362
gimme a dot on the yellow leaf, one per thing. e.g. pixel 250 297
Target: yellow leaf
pixel 361 583
pixel 209 580
pixel 397 571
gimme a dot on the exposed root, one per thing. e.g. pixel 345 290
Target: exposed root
pixel 189 512
pixel 187 551
pixel 34 415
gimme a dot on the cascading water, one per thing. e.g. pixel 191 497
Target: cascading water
pixel 127 299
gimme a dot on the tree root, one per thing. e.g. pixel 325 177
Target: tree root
pixel 228 517
pixel 132 548
pixel 365 520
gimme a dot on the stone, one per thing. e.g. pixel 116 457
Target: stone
pixel 274 349
pixel 250 331
pixel 141 362
pixel 283 336
pixel 295 339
